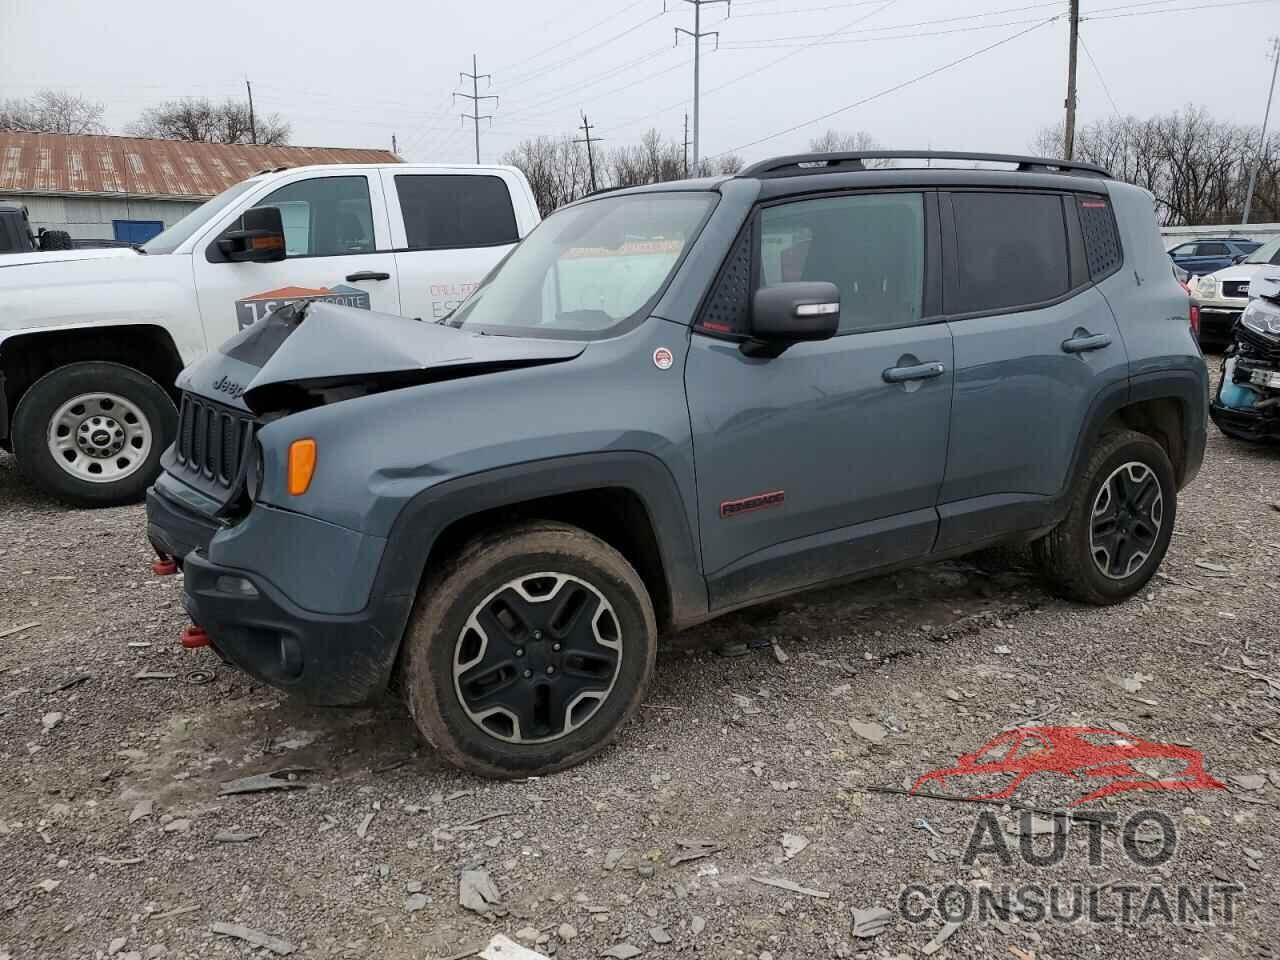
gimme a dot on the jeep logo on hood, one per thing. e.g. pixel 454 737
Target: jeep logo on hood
pixel 223 385
pixel 254 307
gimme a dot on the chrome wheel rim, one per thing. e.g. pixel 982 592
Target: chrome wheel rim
pixel 99 437
pixel 1128 511
pixel 537 658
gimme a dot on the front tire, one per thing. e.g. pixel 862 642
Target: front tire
pixel 92 433
pixel 1118 525
pixel 529 653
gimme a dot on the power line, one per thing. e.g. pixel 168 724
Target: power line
pixel 598 94
pixel 571 89
pixel 560 45
pixel 525 78
pixel 893 89
pixel 749 73
pixel 475 98
pixel 1148 13
pixel 1101 79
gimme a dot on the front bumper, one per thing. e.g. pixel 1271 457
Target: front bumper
pixel 1249 424
pixel 1242 407
pixel 325 658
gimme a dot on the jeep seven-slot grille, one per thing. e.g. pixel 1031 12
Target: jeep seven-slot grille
pixel 211 439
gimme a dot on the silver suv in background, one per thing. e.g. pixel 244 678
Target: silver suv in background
pixel 1222 296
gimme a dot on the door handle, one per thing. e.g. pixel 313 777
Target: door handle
pixel 1084 342
pixel 367 275
pixel 919 371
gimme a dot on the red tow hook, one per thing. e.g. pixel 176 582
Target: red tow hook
pixel 166 566
pixel 193 636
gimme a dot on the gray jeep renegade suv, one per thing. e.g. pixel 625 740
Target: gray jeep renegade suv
pixel 673 401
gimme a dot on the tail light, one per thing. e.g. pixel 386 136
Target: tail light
pixel 1195 321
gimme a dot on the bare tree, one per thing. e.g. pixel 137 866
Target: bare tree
pixel 1196 167
pixel 204 121
pixel 833 141
pixel 52 111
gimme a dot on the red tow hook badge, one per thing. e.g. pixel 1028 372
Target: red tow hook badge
pixel 166 566
pixel 193 636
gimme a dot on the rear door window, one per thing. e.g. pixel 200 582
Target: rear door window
pixel 455 211
pixel 1011 250
pixel 1211 250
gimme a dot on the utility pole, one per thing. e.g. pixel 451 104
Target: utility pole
pixel 1262 140
pixel 474 96
pixel 697 34
pixel 393 145
pixel 253 129
pixel 588 140
pixel 686 146
pixel 1069 134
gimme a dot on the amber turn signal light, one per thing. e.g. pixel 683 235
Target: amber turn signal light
pixel 302 464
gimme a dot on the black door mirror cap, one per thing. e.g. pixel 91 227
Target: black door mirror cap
pixel 789 313
pixel 259 240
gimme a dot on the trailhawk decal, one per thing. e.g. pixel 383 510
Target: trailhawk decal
pixel 253 308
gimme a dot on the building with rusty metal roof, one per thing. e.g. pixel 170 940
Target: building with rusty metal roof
pixel 128 189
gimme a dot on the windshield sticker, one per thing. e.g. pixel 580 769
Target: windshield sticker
pixel 253 308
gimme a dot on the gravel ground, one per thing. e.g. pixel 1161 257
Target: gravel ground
pixel 882 682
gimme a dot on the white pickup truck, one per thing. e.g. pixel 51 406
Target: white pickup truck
pixel 92 340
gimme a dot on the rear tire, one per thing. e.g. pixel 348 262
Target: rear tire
pixel 529 652
pixel 91 434
pixel 1118 525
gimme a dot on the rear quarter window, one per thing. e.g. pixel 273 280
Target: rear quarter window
pixel 1101 236
pixel 449 212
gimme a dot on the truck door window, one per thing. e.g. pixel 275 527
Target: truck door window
pixel 324 217
pixel 871 246
pixel 455 211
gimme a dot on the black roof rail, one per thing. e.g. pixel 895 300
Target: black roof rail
pixel 820 162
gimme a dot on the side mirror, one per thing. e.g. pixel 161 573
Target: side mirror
pixel 1239 258
pixel 792 313
pixel 260 238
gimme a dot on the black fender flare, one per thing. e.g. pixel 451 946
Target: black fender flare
pixel 1185 385
pixel 429 513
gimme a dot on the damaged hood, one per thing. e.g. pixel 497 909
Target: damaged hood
pixel 311 354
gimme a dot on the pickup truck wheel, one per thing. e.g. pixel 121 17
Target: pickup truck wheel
pixel 1118 525
pixel 529 653
pixel 92 433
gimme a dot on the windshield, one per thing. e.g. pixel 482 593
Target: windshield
pixel 1269 253
pixel 589 269
pixel 169 240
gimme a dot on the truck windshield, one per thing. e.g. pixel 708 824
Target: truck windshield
pixel 1269 253
pixel 590 269
pixel 169 240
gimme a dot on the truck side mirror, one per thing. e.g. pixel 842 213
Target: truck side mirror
pixel 260 238
pixel 790 313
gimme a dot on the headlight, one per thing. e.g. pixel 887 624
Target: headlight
pixel 1205 287
pixel 1262 317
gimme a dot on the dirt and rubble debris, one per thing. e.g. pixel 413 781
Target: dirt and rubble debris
pixel 362 829
pixel 416 902
pixel 20 628
pixel 659 935
pixel 285 778
pixel 689 850
pixel 235 836
pixel 621 951
pixel 792 887
pixel 871 922
pixel 503 948
pixel 50 720
pixel 277 946
pixel 793 845
pixel 477 892
pixel 872 732
pixel 940 938
pixel 72 681
pixel 142 809
pixel 613 857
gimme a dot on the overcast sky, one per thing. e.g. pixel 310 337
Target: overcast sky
pixel 352 74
